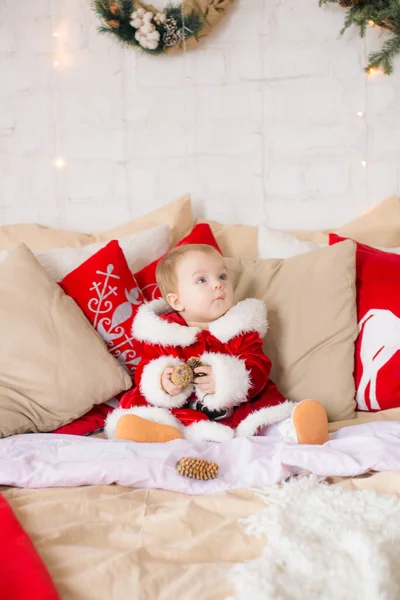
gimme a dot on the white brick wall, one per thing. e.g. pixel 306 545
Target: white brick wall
pixel 260 124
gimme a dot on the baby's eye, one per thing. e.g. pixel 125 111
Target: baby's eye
pixel 201 280
pixel 223 276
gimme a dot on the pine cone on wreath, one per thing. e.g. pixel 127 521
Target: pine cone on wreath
pixel 172 34
pixel 170 25
pixel 169 39
pixel 197 468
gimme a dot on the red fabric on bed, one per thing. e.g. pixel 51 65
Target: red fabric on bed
pixel 90 422
pixel 23 575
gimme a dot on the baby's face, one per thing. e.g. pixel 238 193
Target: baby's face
pixel 204 292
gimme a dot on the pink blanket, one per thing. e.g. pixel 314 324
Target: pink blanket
pixel 46 460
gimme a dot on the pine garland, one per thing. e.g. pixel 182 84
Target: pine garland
pixel 118 18
pixel 383 13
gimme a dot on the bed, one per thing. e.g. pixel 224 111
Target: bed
pixel 114 520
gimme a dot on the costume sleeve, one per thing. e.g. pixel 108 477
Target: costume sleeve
pixel 148 377
pixel 240 375
pixel 257 362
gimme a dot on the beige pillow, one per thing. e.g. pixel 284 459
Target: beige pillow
pixel 378 227
pixel 311 303
pixel 53 365
pixel 235 240
pixel 176 214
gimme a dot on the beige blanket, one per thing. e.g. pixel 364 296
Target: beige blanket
pixel 116 543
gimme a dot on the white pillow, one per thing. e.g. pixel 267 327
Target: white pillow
pixel 280 244
pixel 273 243
pixel 140 249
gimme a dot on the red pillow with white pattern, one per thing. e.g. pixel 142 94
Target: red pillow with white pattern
pixel 377 349
pixel 146 277
pixel 106 291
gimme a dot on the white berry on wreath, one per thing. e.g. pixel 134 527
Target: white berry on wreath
pixel 147 28
pixel 136 23
pixel 160 18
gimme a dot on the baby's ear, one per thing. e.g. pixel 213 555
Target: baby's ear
pixel 174 302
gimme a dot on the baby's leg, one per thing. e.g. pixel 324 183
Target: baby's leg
pixel 136 429
pixel 307 425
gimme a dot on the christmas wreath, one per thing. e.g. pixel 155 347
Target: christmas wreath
pixel 141 26
pixel 380 13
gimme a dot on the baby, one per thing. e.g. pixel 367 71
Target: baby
pixel 234 396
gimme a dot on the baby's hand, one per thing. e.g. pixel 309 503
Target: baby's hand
pixel 205 384
pixel 167 385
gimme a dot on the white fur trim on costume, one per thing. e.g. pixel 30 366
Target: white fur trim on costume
pixel 151 413
pixel 208 431
pixel 264 416
pixel 247 315
pixel 287 430
pixel 150 384
pixel 232 381
pixel 149 327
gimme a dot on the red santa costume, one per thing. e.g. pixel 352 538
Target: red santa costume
pixel 245 398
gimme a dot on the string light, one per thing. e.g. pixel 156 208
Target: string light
pixel 56 63
pixel 360 113
pixel 364 163
pixel 373 71
pixel 59 163
pixel 55 34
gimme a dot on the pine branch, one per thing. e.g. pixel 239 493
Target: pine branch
pixel 384 58
pixel 383 13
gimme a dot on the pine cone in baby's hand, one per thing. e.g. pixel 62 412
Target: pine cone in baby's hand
pixel 197 468
pixel 193 364
pixel 182 375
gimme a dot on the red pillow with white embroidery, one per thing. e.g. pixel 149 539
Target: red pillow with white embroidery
pixel 146 278
pixel 106 291
pixel 377 349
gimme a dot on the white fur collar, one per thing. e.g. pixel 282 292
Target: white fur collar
pixel 248 315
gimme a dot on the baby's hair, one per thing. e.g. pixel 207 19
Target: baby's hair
pixel 166 277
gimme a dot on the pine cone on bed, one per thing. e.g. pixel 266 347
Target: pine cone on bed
pixel 197 468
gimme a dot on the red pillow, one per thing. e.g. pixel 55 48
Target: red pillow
pixel 106 291
pixel 377 349
pixel 89 423
pixel 146 278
